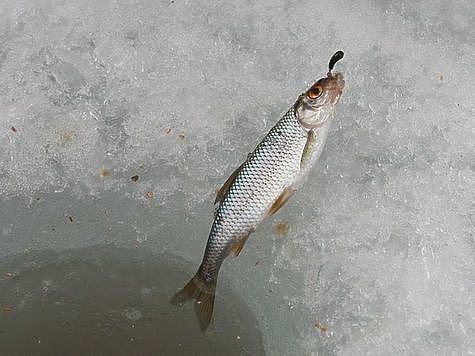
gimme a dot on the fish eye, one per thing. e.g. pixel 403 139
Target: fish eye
pixel 315 92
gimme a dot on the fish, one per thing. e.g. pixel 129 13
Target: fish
pixel 261 185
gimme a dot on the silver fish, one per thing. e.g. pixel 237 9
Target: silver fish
pixel 263 183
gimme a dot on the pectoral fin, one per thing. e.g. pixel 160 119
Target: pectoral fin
pixel 238 245
pixel 225 188
pixel 280 201
pixel 308 149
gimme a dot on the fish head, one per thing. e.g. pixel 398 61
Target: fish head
pixel 317 104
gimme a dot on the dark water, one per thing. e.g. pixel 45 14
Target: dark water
pixel 112 301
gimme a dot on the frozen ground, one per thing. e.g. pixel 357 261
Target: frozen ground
pixel 379 257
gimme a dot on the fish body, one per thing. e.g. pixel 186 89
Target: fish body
pixel 262 184
pixel 274 167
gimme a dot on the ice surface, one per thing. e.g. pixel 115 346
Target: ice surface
pixel 379 256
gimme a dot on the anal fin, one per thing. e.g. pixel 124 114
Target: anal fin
pixel 238 245
pixel 280 201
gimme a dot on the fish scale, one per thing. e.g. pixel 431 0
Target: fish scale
pixel 263 183
pixel 272 166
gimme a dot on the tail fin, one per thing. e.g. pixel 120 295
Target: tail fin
pixel 203 292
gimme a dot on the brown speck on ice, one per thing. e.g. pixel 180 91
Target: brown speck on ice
pixel 13 129
pixel 257 262
pixel 7 309
pixel 282 229
pixel 105 173
pixel 150 195
pixel 135 178
pixel 321 327
pixel 68 136
pixel 441 77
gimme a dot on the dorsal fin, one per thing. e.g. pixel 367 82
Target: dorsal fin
pixel 225 188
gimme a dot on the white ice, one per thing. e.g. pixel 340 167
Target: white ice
pixel 379 257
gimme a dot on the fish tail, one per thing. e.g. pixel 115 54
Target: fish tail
pixel 203 293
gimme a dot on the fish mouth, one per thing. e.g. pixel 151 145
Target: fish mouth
pixel 339 81
pixel 333 84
